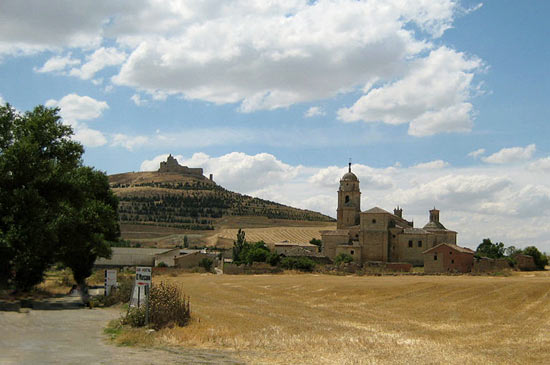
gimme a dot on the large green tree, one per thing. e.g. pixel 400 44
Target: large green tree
pixel 490 249
pixel 40 174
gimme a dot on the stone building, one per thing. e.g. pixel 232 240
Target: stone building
pixel 446 257
pixel 378 235
pixel 172 165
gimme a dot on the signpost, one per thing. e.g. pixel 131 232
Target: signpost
pixel 110 281
pixel 142 288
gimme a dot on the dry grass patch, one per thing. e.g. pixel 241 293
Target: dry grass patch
pixel 308 318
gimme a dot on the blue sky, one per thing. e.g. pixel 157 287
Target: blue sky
pixel 439 103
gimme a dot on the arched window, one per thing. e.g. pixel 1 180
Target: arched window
pixel 347 198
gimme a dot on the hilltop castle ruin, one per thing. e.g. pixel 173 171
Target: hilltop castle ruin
pixel 172 165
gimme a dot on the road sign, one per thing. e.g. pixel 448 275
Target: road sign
pixel 143 276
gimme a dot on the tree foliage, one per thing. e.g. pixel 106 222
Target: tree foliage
pixel 540 259
pixel 343 258
pixel 317 242
pixel 490 249
pixel 51 207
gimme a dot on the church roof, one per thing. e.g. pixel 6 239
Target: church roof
pixel 377 210
pixel 434 226
pixel 349 176
pixel 415 231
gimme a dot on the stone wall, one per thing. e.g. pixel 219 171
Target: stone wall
pixel 485 264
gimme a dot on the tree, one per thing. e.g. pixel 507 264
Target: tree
pixel 87 223
pixel 490 249
pixel 343 258
pixel 540 259
pixel 185 242
pixel 39 177
pixel 317 242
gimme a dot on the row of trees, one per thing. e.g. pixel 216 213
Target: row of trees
pixel 52 208
pixel 497 250
pixel 247 253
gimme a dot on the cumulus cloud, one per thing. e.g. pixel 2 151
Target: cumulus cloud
pixel 237 171
pixel 58 64
pixel 433 96
pixel 511 155
pixel 540 164
pixel 136 98
pixel 314 111
pixel 2 101
pixel 101 58
pixel 437 164
pixel 74 109
pixel 370 177
pixel 477 153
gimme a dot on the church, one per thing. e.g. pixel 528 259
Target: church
pixel 378 235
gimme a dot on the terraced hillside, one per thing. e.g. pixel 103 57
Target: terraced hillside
pixel 192 203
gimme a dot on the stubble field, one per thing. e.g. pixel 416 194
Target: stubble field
pixel 308 318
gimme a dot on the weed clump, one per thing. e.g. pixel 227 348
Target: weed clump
pixel 168 307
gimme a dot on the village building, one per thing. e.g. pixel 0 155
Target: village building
pixel 448 258
pixel 378 235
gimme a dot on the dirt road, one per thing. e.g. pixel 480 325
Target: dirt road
pixel 75 336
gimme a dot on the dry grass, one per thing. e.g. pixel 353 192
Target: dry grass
pixel 307 318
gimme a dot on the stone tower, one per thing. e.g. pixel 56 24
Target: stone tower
pixel 349 201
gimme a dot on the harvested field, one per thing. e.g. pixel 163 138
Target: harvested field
pixel 225 237
pixel 308 318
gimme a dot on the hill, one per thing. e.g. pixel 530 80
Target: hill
pixel 168 203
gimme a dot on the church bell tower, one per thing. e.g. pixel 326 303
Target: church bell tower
pixel 349 201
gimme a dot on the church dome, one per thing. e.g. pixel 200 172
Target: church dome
pixel 349 176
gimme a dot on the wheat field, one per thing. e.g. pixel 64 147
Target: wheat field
pixel 326 319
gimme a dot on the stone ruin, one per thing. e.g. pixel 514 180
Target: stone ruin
pixel 172 165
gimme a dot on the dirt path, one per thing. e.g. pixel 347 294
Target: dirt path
pixel 75 336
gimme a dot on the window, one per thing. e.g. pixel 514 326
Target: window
pixel 450 252
pixel 352 252
pixel 347 198
pixel 374 221
pixel 410 243
pixel 452 261
pixel 393 236
pixel 435 257
pixel 419 243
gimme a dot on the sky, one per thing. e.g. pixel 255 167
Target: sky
pixel 437 102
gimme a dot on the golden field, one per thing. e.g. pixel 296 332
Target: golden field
pixel 326 319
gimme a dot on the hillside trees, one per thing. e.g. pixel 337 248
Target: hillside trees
pixel 43 191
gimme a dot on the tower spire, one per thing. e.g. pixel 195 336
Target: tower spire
pixel 349 165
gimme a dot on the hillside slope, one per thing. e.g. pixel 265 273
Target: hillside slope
pixel 194 203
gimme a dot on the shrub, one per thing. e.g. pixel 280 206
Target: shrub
pixel 318 243
pixel 298 263
pixel 168 306
pixel 273 259
pixel 206 263
pixel 343 258
pixel 162 264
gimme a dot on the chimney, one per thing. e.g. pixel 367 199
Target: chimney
pixel 398 212
pixel 434 215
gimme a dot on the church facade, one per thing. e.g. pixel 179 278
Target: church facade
pixel 378 235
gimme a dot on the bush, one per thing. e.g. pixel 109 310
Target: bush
pixel 162 264
pixel 206 263
pixel 273 259
pixel 298 263
pixel 168 306
pixel 343 258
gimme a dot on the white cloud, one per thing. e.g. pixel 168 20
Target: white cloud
pixel 511 155
pixel 477 153
pixel 74 109
pixel 101 58
pixel 58 64
pixel 89 137
pixel 314 111
pixel 437 164
pixel 370 177
pixel 433 96
pixel 2 101
pixel 542 164
pixel 136 98
pixel 129 142
pixel 236 171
